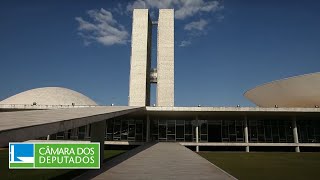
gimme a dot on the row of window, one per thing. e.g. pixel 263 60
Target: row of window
pixel 263 131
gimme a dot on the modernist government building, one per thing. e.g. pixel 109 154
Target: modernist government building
pixel 286 118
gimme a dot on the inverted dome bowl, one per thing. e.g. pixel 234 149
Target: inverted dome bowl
pixel 297 91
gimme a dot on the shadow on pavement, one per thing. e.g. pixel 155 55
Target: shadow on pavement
pixel 114 162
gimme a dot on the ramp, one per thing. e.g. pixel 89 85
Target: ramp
pixel 162 161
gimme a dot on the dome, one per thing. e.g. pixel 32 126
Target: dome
pixel 49 96
pixel 297 91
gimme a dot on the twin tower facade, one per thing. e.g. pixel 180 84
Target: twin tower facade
pixel 141 73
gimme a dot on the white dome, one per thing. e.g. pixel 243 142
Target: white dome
pixel 49 96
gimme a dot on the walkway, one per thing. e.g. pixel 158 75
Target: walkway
pixel 163 161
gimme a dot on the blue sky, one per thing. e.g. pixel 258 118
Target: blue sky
pixel 222 48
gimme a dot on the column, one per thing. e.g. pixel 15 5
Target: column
pixel 87 130
pixel 295 133
pixel 246 136
pixel 197 134
pixel 148 129
pixel 98 131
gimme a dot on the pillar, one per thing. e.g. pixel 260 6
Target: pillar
pixel 148 129
pixel 197 134
pixel 295 133
pixel 98 131
pixel 246 136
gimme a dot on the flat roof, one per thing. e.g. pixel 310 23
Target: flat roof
pixel 231 109
pixel 25 125
pixel 236 111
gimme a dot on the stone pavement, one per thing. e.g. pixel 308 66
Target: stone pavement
pixel 159 161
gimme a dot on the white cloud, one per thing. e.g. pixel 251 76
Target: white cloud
pixel 185 43
pixel 102 28
pixel 196 25
pixel 192 7
pixel 183 8
pixel 138 4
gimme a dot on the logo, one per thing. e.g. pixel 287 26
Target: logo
pixel 54 155
pixel 21 155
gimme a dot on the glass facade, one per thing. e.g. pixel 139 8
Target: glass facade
pixel 270 131
pixel 210 130
pixel 118 129
pixel 259 130
pixel 126 130
pixel 173 130
pixel 185 130
pixel 308 131
pixel 232 131
pixel 81 133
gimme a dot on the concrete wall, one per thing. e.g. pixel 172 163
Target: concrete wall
pixel 165 59
pixel 139 88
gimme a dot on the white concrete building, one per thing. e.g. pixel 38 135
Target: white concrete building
pixel 287 118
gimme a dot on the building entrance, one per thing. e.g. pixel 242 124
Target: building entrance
pixel 214 133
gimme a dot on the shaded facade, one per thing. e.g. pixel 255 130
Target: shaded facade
pixel 236 128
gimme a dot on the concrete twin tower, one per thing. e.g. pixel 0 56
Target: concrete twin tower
pixel 141 73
